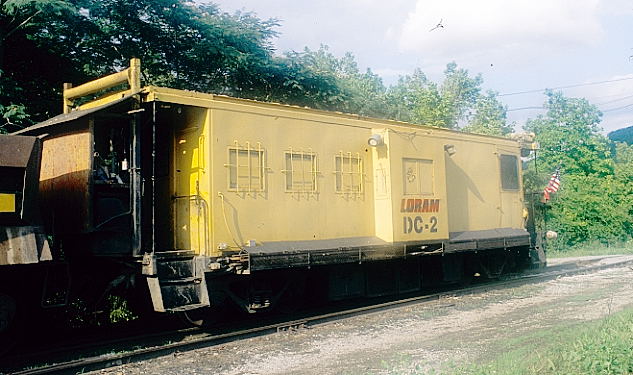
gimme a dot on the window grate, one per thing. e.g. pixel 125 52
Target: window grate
pixel 348 169
pixel 247 166
pixel 301 171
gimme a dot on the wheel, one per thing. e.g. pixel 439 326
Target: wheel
pixel 195 318
pixel 205 317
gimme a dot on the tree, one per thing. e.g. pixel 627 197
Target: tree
pixel 356 92
pixel 592 208
pixel 21 56
pixel 404 98
pixel 595 202
pixel 181 45
pixel 568 137
pixel 622 135
pixel 456 101
pixel 20 16
pixel 490 117
pixel 460 93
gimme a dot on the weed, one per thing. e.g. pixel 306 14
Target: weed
pixel 592 249
pixel 600 348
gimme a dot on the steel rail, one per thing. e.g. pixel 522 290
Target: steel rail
pixel 208 340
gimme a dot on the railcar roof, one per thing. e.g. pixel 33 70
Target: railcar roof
pixel 200 99
pixel 16 151
pixel 67 117
pixel 205 100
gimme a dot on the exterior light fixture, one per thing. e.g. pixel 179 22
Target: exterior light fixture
pixel 450 149
pixel 375 140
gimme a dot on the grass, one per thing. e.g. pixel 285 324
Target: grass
pixel 603 347
pixel 591 249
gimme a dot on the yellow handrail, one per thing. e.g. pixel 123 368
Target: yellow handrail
pixel 131 75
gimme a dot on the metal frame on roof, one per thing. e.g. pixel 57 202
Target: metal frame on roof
pixel 67 117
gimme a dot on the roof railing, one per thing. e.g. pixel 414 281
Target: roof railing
pixel 131 75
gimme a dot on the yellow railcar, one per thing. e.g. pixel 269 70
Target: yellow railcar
pixel 204 193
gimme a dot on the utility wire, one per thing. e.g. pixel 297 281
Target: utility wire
pixel 596 104
pixel 522 109
pixel 543 108
pixel 565 87
pixel 615 100
pixel 618 108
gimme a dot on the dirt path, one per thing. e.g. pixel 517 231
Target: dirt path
pixel 453 330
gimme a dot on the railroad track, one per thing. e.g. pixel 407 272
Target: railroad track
pixel 190 339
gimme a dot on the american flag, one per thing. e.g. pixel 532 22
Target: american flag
pixel 552 186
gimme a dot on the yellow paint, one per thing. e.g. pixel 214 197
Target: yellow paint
pixel 131 76
pixel 463 189
pixel 412 189
pixel 7 202
pixel 192 226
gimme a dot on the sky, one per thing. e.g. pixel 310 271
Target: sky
pixel 517 46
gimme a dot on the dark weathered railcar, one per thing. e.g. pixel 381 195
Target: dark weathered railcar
pixel 23 242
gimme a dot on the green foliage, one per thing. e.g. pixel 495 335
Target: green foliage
pixel 459 92
pixel 181 45
pixel 198 47
pixel 296 79
pixel 418 100
pixel 598 348
pixel 591 249
pixel 455 102
pixel 10 112
pixel 601 348
pixel 344 87
pixel 22 59
pixel 622 135
pixel 594 204
pixel 112 309
pixel 119 310
pixel 404 98
pixel 568 136
pixel 592 208
pixel 490 117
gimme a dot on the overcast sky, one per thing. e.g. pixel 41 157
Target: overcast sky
pixel 517 45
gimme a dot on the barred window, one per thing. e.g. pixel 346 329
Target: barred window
pixel 509 172
pixel 348 170
pixel 246 168
pixel 301 171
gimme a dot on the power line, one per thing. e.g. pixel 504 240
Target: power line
pixel 595 104
pixel 543 108
pixel 592 98
pixel 523 108
pixel 615 100
pixel 618 108
pixel 565 87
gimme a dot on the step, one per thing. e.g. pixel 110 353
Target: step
pixel 178 282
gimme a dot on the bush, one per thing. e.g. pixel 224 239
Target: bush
pixel 592 209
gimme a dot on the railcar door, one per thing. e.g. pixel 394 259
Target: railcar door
pixel 190 208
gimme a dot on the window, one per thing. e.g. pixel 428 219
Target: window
pixel 418 176
pixel 301 171
pixel 509 172
pixel 348 169
pixel 246 168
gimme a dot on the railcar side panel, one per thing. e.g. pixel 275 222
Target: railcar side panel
pixel 64 181
pixel 284 177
